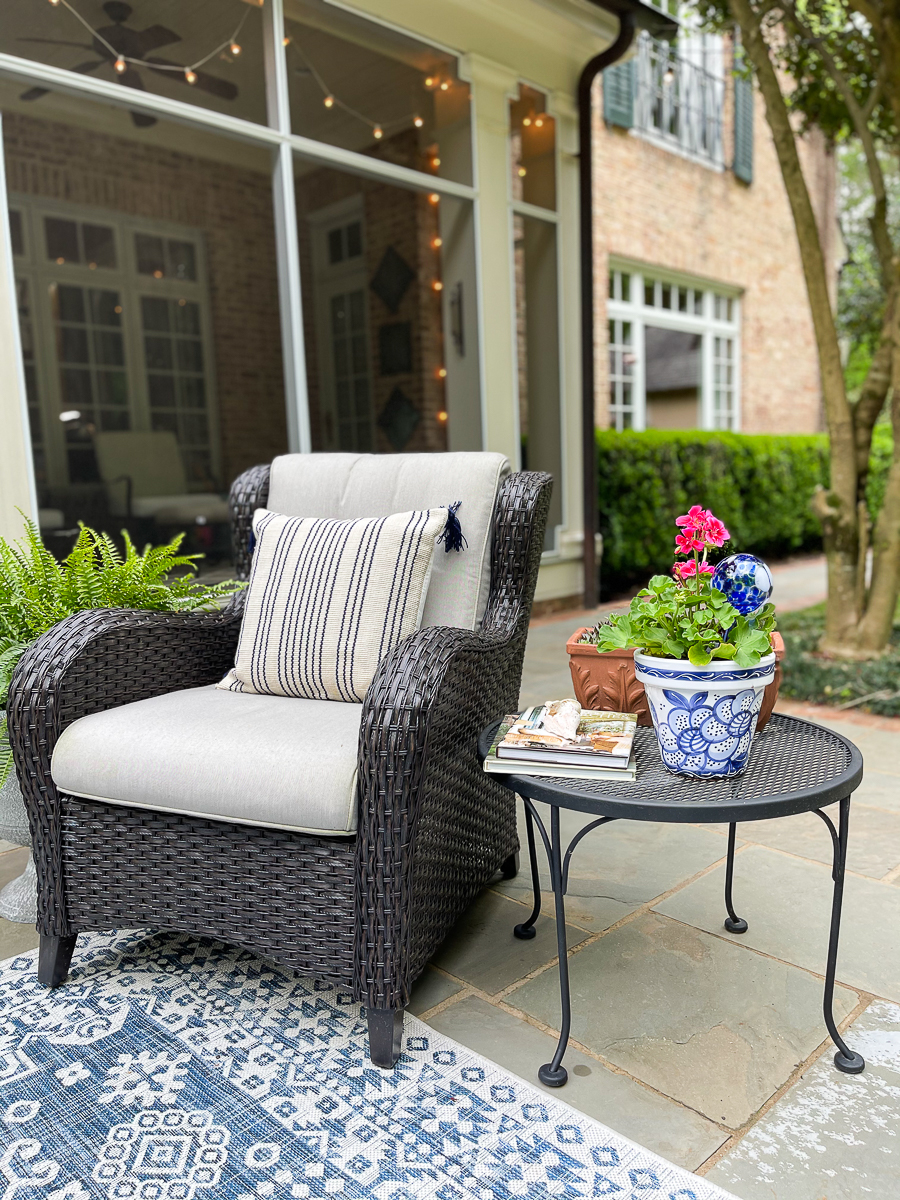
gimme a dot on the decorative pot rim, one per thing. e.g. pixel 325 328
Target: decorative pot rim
pixel 716 667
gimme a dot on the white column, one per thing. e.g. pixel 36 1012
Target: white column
pixel 492 88
pixel 17 488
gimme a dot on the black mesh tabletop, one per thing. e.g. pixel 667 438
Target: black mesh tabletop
pixel 794 766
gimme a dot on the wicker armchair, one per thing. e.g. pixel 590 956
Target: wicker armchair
pixel 365 912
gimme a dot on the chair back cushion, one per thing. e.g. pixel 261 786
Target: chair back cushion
pixel 329 599
pixel 152 461
pixel 344 486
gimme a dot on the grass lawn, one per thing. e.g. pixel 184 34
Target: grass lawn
pixel 826 681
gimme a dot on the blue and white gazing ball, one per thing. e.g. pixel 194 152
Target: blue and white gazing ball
pixel 745 580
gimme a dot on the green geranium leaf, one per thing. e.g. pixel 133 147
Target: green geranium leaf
pixel 699 656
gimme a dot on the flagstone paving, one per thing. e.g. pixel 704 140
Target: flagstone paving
pixel 705 1047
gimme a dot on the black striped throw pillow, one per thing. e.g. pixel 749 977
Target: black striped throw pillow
pixel 329 599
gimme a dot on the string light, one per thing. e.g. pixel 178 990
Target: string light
pixel 442 373
pixel 435 162
pixel 539 122
pixel 328 101
pixel 438 286
pixel 430 80
pixel 418 122
pixel 121 62
pixel 377 132
pixel 442 416
pixel 434 198
pixel 522 172
pixel 437 243
pixel 526 121
pixel 445 85
pixel 285 41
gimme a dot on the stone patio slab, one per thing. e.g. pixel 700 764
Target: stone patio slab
pixel 787 903
pixel 874 848
pixel 430 989
pixel 682 1136
pixel 879 789
pixel 617 867
pixel 834 1136
pixel 709 1024
pixel 482 950
pixel 15 938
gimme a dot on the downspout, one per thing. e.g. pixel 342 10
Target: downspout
pixel 600 62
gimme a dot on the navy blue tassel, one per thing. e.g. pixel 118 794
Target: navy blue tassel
pixel 452 537
pixel 251 545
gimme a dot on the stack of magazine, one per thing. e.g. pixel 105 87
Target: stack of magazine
pixel 601 748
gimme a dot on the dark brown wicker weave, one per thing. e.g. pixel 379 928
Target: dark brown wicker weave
pixel 366 912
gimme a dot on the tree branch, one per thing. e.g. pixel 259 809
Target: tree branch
pixel 858 115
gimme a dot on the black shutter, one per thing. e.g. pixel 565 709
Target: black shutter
pixel 743 128
pixel 618 94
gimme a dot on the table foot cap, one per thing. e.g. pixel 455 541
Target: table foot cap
pixel 736 925
pixel 525 932
pixel 852 1064
pixel 552 1078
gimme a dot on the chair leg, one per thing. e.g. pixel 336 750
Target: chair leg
pixel 510 867
pixel 385 1036
pixel 54 958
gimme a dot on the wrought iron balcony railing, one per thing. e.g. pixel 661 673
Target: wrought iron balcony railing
pixel 678 101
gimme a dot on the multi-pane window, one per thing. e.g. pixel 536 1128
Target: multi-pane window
pixel 176 384
pixel 673 352
pixel 114 326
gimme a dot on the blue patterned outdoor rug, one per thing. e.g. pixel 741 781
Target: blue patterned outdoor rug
pixel 169 1068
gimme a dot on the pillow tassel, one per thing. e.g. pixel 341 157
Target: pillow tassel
pixel 452 537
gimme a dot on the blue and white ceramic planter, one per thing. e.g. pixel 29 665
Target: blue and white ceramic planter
pixel 704 717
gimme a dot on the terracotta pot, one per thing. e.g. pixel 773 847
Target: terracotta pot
pixel 770 695
pixel 607 680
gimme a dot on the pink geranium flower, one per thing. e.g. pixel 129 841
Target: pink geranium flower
pixel 715 532
pixel 693 519
pixel 686 543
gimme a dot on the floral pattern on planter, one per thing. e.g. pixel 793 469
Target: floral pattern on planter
pixel 703 735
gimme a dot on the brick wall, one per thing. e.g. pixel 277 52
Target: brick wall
pixel 661 209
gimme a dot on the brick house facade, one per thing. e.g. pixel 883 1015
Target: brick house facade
pixel 660 209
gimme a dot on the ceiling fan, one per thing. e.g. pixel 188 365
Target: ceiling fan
pixel 134 44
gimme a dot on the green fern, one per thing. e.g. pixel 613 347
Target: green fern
pixel 37 591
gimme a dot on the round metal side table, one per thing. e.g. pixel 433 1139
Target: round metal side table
pixel 794 767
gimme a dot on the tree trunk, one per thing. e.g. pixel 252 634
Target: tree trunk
pixel 876 626
pixel 836 508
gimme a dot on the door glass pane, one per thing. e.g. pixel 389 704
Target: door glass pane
pixel 532 137
pixel 361 86
pixel 390 324
pixel 672 378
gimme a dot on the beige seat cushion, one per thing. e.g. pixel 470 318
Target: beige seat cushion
pixel 248 759
pixel 344 486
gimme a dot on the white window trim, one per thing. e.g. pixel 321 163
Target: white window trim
pixel 640 315
pixel 277 136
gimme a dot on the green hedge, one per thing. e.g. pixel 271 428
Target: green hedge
pixel 759 484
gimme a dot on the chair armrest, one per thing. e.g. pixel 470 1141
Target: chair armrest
pixel 89 662
pixel 249 492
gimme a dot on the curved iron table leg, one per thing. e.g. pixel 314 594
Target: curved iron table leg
pixel 526 930
pixel 733 923
pixel 846 1060
pixel 554 1074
